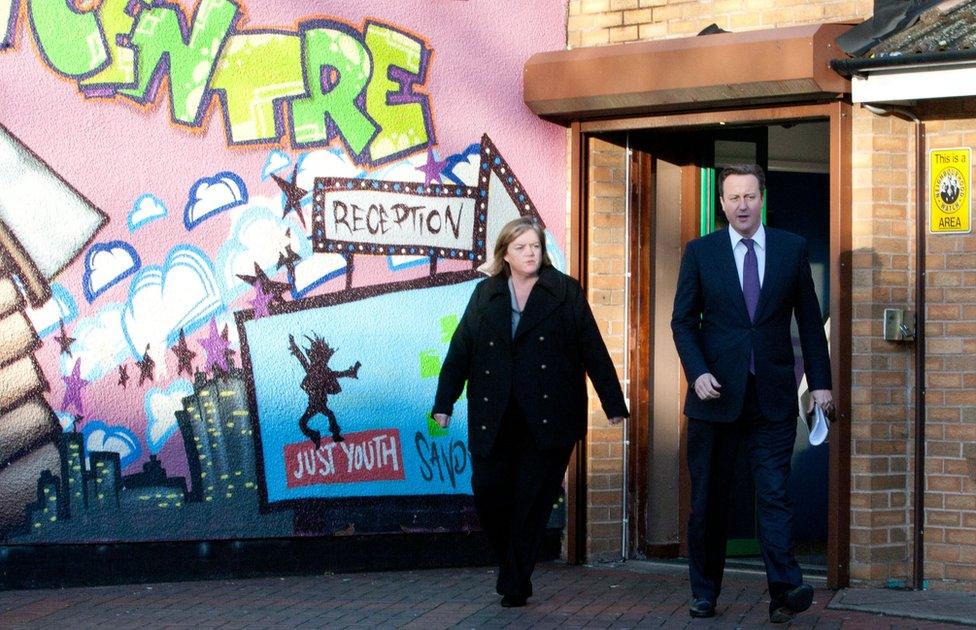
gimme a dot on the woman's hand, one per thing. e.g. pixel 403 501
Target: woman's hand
pixel 442 420
pixel 616 420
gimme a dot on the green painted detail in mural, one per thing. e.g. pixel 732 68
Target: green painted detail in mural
pixel 337 68
pixel 430 364
pixel 449 324
pixel 72 42
pixel 121 72
pixel 434 429
pixel 254 71
pixel 400 126
pixel 158 35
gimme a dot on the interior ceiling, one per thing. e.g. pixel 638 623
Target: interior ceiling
pixel 800 147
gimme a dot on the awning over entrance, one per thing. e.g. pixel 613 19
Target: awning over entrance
pixel 705 72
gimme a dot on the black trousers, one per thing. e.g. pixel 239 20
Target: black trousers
pixel 712 450
pixel 515 487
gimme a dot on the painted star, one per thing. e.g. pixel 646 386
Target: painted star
pixel 123 375
pixel 261 301
pixel 72 389
pixel 432 169
pixel 64 340
pixel 184 355
pixel 147 368
pixel 216 347
pixel 271 287
pixel 293 194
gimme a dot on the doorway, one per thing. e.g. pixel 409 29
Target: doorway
pixel 672 170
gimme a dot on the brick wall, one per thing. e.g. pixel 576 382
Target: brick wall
pixel 950 465
pixel 606 285
pixel 602 22
pixel 881 391
pixel 883 372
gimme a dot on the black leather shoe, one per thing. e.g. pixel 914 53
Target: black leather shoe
pixel 510 601
pixel 793 602
pixel 701 609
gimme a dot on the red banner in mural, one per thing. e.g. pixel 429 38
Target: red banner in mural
pixel 363 456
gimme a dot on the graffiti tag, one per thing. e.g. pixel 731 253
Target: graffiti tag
pixel 440 457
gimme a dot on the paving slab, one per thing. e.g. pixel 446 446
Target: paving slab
pixel 949 607
pixel 622 595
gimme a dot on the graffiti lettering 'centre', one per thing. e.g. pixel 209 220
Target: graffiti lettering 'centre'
pixel 351 220
pixel 332 81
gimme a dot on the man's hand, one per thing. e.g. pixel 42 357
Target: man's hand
pixel 442 420
pixel 614 421
pixel 707 387
pixel 823 399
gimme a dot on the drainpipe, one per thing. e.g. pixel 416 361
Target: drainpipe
pixel 921 229
pixel 918 572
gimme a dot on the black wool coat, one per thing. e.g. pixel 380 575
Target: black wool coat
pixel 542 369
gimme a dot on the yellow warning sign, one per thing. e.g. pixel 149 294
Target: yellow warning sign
pixel 950 191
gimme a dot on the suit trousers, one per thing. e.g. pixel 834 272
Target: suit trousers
pixel 515 487
pixel 712 451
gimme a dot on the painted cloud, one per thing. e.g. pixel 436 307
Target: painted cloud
pixel 276 161
pixel 462 168
pixel 99 343
pixel 146 209
pixel 182 293
pixel 332 162
pixel 61 307
pixel 102 437
pixel 211 196
pixel 317 269
pixel 258 236
pixel 161 408
pixel 106 265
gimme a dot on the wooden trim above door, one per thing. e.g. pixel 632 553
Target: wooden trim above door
pixel 689 73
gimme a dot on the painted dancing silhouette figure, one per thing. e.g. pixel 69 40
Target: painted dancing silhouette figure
pixel 320 381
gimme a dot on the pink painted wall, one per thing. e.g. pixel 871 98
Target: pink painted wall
pixel 142 276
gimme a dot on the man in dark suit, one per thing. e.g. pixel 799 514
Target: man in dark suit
pixel 738 290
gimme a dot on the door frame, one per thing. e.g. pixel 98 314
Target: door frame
pixel 838 116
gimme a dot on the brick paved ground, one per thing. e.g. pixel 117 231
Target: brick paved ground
pixel 566 596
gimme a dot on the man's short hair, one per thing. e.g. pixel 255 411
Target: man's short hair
pixel 743 169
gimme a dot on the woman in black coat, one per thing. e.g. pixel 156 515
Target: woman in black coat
pixel 524 344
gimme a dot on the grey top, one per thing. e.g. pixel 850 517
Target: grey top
pixel 516 313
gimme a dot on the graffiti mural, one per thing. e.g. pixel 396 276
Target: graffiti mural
pixel 233 253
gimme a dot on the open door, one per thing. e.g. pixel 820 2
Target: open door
pixel 673 199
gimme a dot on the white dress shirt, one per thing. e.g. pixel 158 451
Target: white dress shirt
pixel 739 251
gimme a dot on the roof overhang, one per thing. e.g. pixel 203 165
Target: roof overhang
pixel 899 78
pixel 705 72
pixel 915 84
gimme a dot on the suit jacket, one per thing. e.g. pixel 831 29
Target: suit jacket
pixel 713 333
pixel 542 369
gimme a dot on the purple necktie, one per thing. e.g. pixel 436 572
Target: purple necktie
pixel 750 278
pixel 750 287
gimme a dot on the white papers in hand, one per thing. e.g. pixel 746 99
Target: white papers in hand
pixel 818 432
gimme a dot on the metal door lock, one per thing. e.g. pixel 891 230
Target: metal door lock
pixel 899 325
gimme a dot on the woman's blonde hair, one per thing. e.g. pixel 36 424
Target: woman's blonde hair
pixel 511 231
